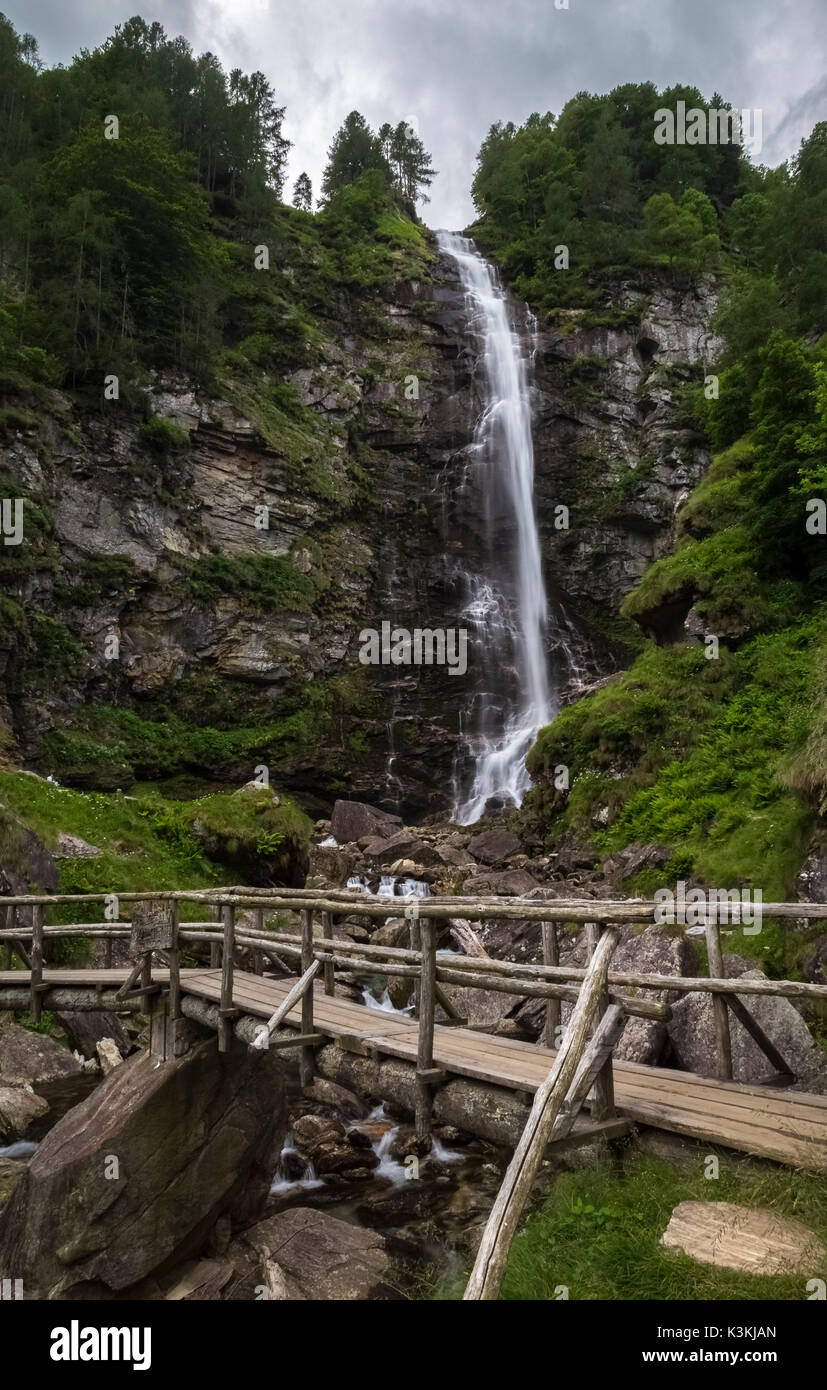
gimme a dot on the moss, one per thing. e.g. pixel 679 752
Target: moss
pixel 163 436
pixel 263 580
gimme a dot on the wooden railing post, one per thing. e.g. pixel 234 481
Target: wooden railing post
pixel 551 956
pixel 214 946
pixel 603 1093
pixel 258 956
pixel 37 962
pixel 720 1013
pixel 174 968
pixel 425 1049
pixel 8 923
pixel 415 939
pixel 226 1011
pixel 329 968
pixel 308 1058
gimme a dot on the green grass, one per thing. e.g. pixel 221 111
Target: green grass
pixel 699 755
pixel 598 1232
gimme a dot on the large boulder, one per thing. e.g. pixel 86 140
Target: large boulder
pixel 28 1058
pixel 135 1176
pixel 510 883
pixel 492 846
pixel 26 866
pixel 692 1033
pixel 651 952
pixel 86 1030
pixel 403 844
pixel 353 820
pixel 319 1257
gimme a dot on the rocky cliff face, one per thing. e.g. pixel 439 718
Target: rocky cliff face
pixel 155 626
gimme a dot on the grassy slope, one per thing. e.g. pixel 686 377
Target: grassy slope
pixel 598 1233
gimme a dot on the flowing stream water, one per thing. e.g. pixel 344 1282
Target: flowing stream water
pixel 506 610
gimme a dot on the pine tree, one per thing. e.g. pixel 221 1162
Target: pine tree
pixel 303 193
pixel 355 150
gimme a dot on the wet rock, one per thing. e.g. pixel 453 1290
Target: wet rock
pixel 33 1057
pixel 492 846
pixel 339 1097
pixel 692 1033
pixel 194 1138
pixel 353 820
pixel 19 1109
pixel 322 1257
pixel 416 1200
pixel 85 1030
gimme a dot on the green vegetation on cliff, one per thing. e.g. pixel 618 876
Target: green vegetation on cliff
pixel 718 753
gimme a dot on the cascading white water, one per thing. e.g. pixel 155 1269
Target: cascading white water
pixel 506 608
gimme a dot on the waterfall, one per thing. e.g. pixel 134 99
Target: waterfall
pixel 505 611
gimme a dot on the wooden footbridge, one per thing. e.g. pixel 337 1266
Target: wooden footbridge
pixel 273 987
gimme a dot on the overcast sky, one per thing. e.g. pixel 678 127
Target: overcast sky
pixel 453 67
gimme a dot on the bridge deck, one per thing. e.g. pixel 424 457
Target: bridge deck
pixel 790 1127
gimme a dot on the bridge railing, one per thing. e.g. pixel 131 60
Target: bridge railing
pixel 227 934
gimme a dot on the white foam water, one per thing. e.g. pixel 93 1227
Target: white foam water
pixel 506 610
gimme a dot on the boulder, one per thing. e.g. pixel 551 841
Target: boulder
pixel 11 1173
pixel 330 863
pixel 395 932
pixel 492 846
pixel 26 866
pixel 512 883
pixel 449 854
pixel 29 1058
pixel 19 1108
pixel 109 1055
pixel 692 1033
pixel 346 1102
pixel 353 820
pixel 734 1237
pixel 403 844
pixel 192 1137
pixel 320 1257
pixel 628 862
pixel 73 847
pixel 85 1030
pixel 651 952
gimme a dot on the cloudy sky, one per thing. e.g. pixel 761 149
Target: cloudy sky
pixel 452 67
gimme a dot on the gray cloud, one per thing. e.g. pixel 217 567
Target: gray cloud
pixel 459 68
